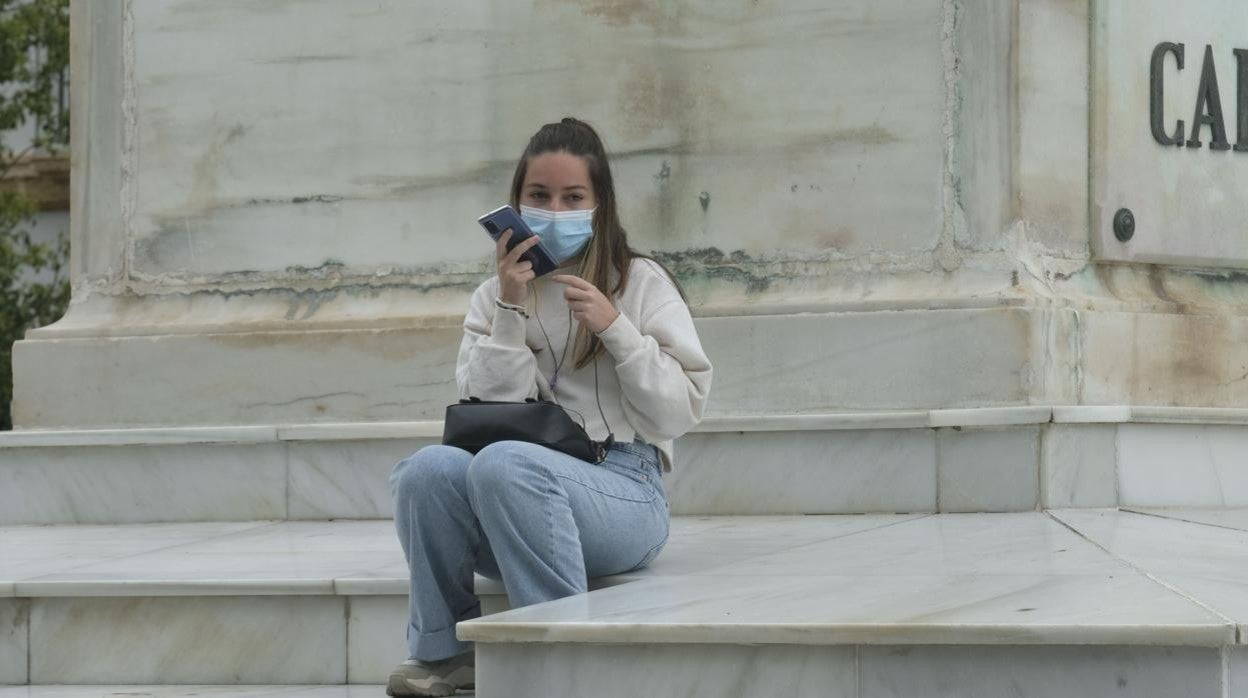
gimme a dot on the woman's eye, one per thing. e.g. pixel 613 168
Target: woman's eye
pixel 537 195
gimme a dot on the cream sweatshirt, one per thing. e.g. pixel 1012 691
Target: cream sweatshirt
pixel 652 381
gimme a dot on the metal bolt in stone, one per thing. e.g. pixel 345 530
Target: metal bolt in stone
pixel 1124 224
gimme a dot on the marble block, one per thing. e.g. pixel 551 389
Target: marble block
pixel 1091 414
pixel 1046 87
pixel 1207 563
pixel 1226 518
pixel 290 558
pixel 1192 360
pixel 802 472
pixel 960 609
pixel 494 603
pixel 1220 592
pixel 1237 672
pixel 246 639
pixel 280 377
pixel 193 691
pixel 1078 466
pixel 14 636
pixel 707 544
pixel 1169 414
pixel 1181 465
pixel 990 416
pixel 988 469
pixel 345 479
pixel 28 552
pixel 1039 672
pixel 876 360
pixel 952 544
pixel 376 637
pixel 665 671
pixel 139 436
pixel 135 484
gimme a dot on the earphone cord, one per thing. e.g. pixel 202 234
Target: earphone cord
pixel 610 431
pixel 567 340
pixel 537 303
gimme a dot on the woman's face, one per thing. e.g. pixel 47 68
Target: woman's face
pixel 558 181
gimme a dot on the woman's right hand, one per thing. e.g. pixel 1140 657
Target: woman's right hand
pixel 514 274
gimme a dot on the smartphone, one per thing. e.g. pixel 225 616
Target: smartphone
pixel 497 222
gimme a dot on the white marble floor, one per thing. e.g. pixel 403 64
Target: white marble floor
pixel 1068 577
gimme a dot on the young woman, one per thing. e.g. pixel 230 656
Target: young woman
pixel 609 336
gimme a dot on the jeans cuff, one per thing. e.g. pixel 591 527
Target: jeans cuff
pixel 432 647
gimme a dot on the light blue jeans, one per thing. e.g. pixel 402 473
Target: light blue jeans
pixel 541 521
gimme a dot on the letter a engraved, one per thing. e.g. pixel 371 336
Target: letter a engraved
pixel 1209 107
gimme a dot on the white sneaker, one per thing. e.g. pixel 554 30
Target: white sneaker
pixel 418 678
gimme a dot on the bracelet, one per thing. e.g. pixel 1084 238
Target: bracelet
pixel 508 306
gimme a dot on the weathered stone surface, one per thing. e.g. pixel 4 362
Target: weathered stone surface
pixel 763 364
pixel 372 140
pixel 1197 360
pixel 1188 201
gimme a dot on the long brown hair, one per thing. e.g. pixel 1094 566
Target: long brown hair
pixel 608 248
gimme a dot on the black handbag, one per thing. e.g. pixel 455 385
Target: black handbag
pixel 473 424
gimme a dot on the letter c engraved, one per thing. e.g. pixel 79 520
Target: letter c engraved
pixel 1156 93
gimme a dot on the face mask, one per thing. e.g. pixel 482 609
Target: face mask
pixel 564 233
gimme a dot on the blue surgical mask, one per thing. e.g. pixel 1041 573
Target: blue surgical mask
pixel 564 233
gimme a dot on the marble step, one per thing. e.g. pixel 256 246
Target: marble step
pixel 974 460
pixel 197 691
pixel 1066 603
pixel 280 601
pixel 785 606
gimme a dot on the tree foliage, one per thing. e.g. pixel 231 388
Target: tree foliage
pixel 34 63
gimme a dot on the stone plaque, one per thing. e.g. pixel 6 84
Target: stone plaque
pixel 1170 132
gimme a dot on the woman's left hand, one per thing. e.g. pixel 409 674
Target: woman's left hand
pixel 588 305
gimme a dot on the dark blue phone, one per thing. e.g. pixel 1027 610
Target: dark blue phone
pixel 497 222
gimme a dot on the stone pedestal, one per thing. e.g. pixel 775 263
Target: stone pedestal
pixel 895 221
pixel 876 207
